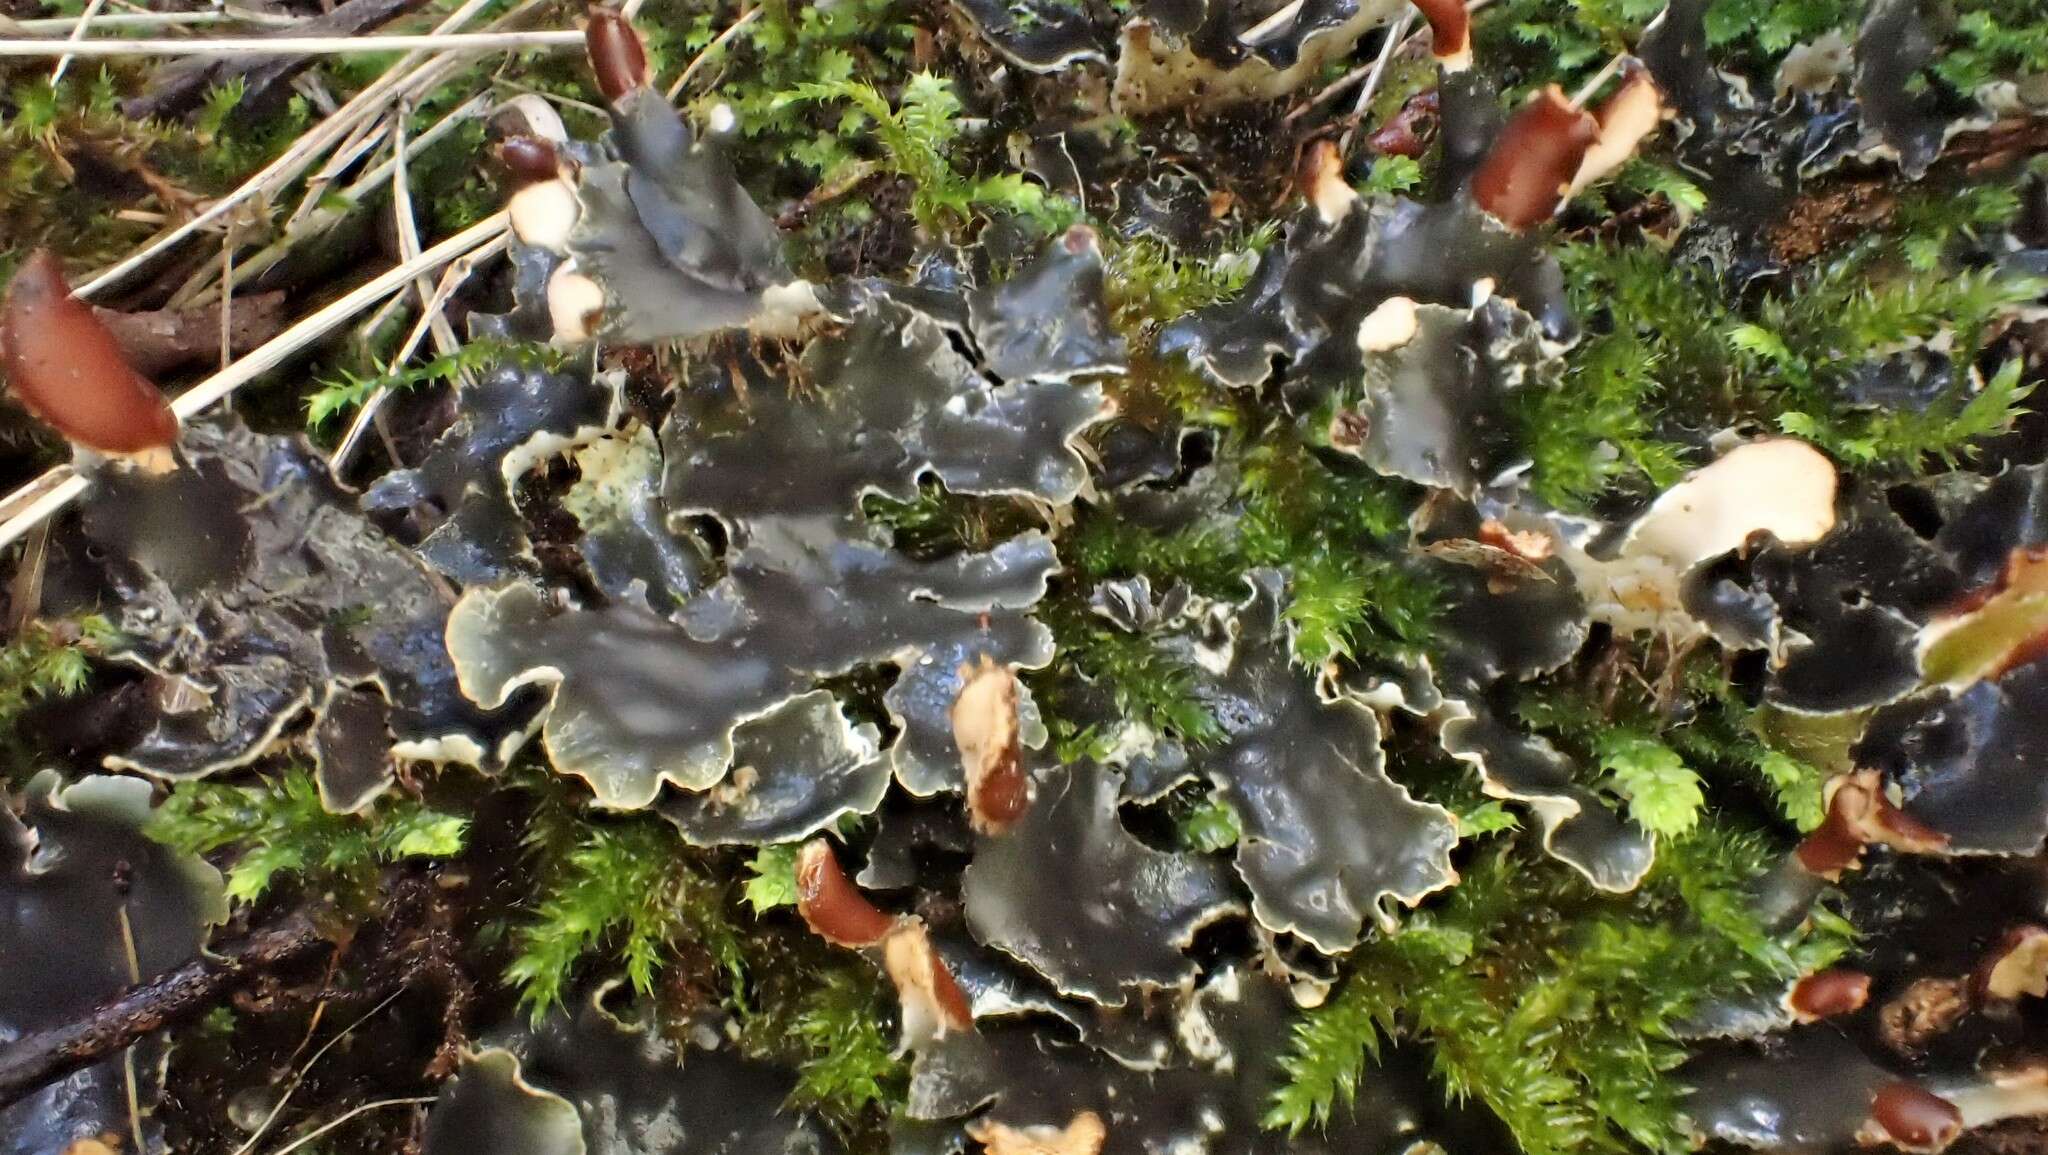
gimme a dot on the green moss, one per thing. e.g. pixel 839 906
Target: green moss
pixel 1656 744
pixel 278 828
pixel 1663 793
pixel 913 139
pixel 829 1016
pixel 1204 824
pixel 46 133
pixel 1991 40
pixel 50 660
pixel 771 877
pixel 224 148
pixel 1148 282
pixel 1669 350
pixel 44 661
pixel 628 889
pixel 1564 41
pixel 1554 1005
pixel 1148 684
pixel 786 46
pixel 346 392
pixel 937 521
pixel 835 1035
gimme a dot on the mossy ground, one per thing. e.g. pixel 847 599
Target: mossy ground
pixel 1550 1003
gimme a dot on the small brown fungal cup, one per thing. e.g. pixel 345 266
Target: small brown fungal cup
pixel 66 367
pixel 932 1003
pixel 529 159
pixel 1525 175
pixel 1450 33
pixel 1825 994
pixel 831 905
pixel 575 304
pixel 617 57
pixel 1320 177
pixel 1409 132
pixel 985 728
pixel 2016 967
pixel 1859 813
pixel 1084 1134
pixel 1914 1118
pixel 1835 845
pixel 1626 118
pixel 543 207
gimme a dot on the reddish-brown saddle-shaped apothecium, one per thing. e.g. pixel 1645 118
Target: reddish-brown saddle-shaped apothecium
pixel 1532 162
pixel 64 364
pixel 542 208
pixel 1450 33
pixel 1626 119
pixel 932 1003
pixel 1912 1118
pixel 616 55
pixel 987 731
pixel 831 905
pixel 1825 994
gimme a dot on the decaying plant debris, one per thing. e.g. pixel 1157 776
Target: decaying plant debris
pixel 945 576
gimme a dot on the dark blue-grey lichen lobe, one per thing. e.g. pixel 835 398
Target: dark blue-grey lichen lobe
pixel 1049 321
pixel 489 1106
pixel 892 400
pixel 648 691
pixel 585 1083
pixel 640 699
pixel 1310 292
pixel 1072 894
pixel 1436 404
pixel 1208 1094
pixel 70 867
pixel 457 503
pixel 1331 843
pixel 796 771
pixel 679 248
pixel 244 581
pixel 1972 763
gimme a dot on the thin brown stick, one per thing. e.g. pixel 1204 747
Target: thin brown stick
pixel 128 1053
pixel 310 146
pixel 1396 36
pixel 66 25
pixel 38 1059
pixel 85 19
pixel 60 486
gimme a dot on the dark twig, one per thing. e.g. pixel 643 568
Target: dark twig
pixel 36 1060
pixel 166 339
pixel 413 943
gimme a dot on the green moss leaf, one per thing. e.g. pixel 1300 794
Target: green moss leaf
pixel 279 827
pixel 1664 796
pixel 771 880
pixel 1209 827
